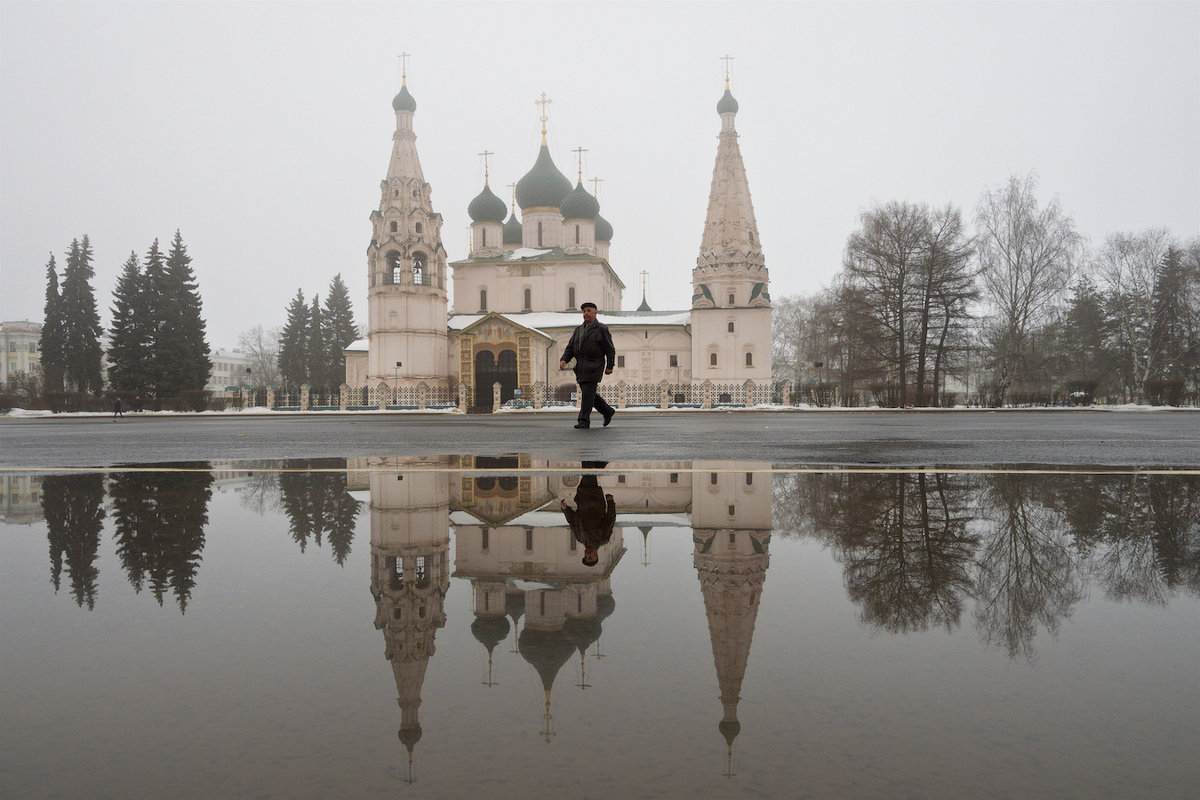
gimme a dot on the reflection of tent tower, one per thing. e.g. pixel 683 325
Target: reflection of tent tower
pixel 546 649
pixel 731 518
pixel 410 574
pixel 490 627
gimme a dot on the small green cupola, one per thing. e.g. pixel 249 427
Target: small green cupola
pixel 513 231
pixel 486 207
pixel 604 229
pixel 579 204
pixel 404 101
pixel 727 105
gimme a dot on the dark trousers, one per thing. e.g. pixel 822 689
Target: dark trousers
pixel 589 399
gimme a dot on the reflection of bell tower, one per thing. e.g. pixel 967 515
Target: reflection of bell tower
pixel 410 574
pixel 731 524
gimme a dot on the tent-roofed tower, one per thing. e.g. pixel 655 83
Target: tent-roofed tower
pixel 731 305
pixel 407 301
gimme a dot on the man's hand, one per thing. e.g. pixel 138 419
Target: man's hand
pixel 608 371
pixel 562 504
pixel 562 365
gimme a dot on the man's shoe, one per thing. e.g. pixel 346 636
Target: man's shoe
pixel 582 425
pixel 608 417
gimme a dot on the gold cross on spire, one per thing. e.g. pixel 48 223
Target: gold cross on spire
pixel 727 59
pixel 579 151
pixel 513 197
pixel 404 57
pixel 596 187
pixel 644 275
pixel 543 101
pixel 485 155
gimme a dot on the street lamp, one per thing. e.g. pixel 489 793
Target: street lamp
pixel 818 365
pixel 397 377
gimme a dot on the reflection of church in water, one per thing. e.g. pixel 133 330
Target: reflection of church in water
pixel 528 582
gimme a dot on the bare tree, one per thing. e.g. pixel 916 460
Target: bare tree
pixel 261 346
pixel 1128 265
pixel 1027 257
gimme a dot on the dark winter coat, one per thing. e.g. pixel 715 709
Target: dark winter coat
pixel 592 348
pixel 592 521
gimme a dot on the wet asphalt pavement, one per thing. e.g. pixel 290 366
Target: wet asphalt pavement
pixel 967 439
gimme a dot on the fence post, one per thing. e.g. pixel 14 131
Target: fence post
pixel 382 392
pixel 664 395
pixel 422 396
pixel 539 394
pixel 706 394
pixel 343 396
pixel 495 397
pixel 785 393
pixel 270 397
pixel 304 397
pixel 622 395
pixel 748 393
pixel 462 398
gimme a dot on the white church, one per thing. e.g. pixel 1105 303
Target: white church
pixel 516 295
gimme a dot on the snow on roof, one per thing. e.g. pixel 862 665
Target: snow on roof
pixel 540 320
pixel 524 252
pixel 357 346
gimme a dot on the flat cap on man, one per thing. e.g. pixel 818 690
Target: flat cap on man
pixel 587 305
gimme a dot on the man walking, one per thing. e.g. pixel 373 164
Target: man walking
pixel 591 346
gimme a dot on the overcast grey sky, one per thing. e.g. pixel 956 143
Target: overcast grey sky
pixel 261 130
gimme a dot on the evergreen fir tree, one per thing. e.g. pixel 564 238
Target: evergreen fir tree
pixel 339 329
pixel 158 319
pixel 188 365
pixel 53 356
pixel 81 321
pixel 129 348
pixel 293 343
pixel 315 353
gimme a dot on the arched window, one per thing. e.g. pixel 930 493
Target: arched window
pixel 394 226
pixel 483 237
pixel 483 299
pixel 393 268
pixel 712 359
pixel 417 227
pixel 528 299
pixel 751 237
pixel 571 297
pixel 576 234
pixel 731 327
pixel 418 269
pixel 731 298
pixel 539 233
pixel 749 359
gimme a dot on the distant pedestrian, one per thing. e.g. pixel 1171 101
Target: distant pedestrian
pixel 117 412
pixel 591 346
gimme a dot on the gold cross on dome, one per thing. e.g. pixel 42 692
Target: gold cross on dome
pixel 579 151
pixel 543 101
pixel 485 155
pixel 727 59
pixel 404 57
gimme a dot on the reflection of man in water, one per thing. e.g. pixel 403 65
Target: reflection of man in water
pixel 592 518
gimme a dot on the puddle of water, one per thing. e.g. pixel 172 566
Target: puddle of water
pixel 334 628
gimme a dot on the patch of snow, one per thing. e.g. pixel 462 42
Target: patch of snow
pixel 524 252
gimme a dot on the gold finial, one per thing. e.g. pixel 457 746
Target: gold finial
pixel 644 275
pixel 596 187
pixel 543 101
pixel 579 151
pixel 512 202
pixel 727 59
pixel 404 57
pixel 485 155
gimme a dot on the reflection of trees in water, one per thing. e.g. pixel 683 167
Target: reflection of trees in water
pixel 316 504
pixel 1028 575
pixel 904 544
pixel 260 493
pixel 1140 533
pixel 159 520
pixel 74 509
pixel 912 555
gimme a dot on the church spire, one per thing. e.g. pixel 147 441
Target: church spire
pixel 730 228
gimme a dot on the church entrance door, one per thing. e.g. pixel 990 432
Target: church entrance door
pixel 488 370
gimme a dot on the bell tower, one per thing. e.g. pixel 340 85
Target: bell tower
pixel 731 305
pixel 406 263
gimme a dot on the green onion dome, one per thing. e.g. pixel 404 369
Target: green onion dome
pixel 404 101
pixel 604 229
pixel 512 231
pixel 544 185
pixel 579 204
pixel 486 207
pixel 727 105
